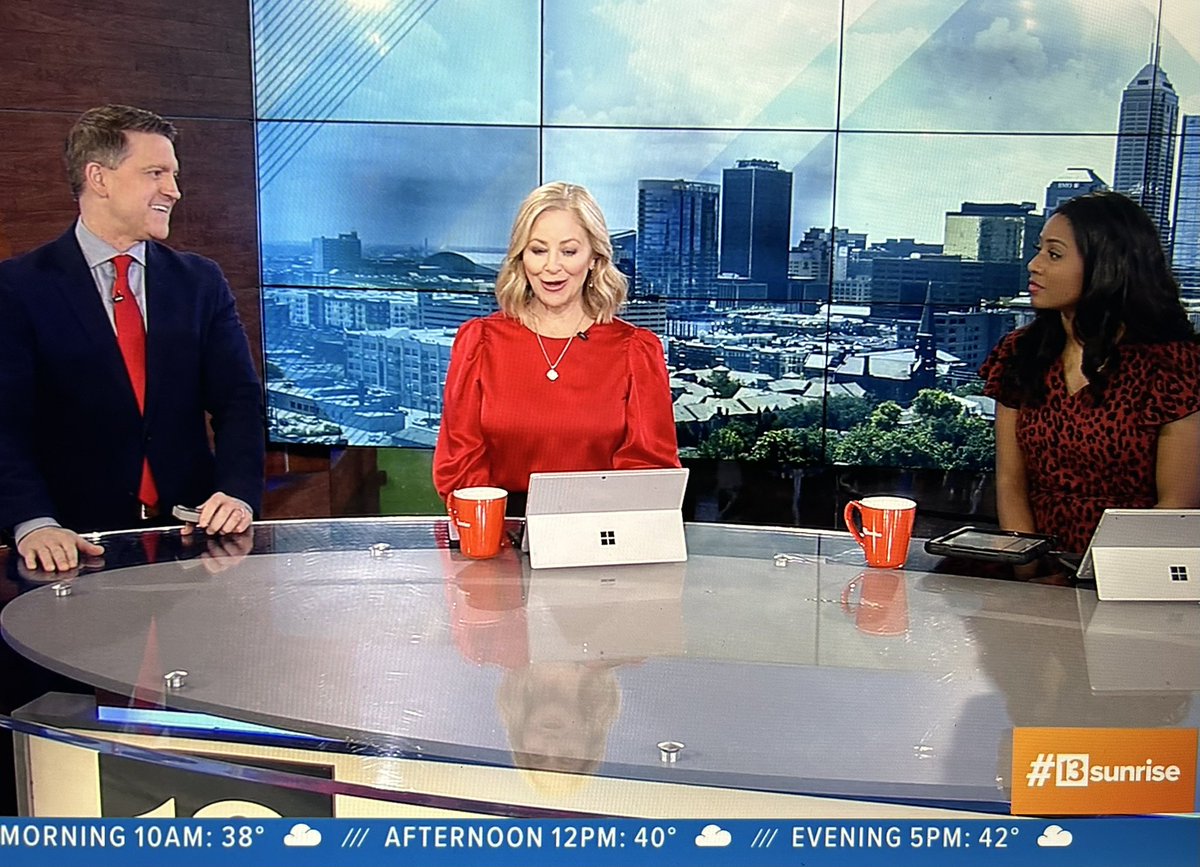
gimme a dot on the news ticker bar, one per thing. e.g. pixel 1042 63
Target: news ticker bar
pixel 1154 841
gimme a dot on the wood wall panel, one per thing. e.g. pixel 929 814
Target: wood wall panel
pixel 218 214
pixel 183 59
pixel 35 200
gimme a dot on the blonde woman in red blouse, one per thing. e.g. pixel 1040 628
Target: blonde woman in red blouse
pixel 554 381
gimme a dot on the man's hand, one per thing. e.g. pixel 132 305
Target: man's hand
pixel 221 514
pixel 55 549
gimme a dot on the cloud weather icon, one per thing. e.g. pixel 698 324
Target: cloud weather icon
pixel 1055 835
pixel 302 835
pixel 714 835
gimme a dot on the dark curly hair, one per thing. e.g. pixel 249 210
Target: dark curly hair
pixel 1129 296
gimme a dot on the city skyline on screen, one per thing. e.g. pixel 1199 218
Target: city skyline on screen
pixel 398 137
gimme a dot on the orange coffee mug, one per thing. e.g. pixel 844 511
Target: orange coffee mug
pixel 478 513
pixel 882 606
pixel 885 531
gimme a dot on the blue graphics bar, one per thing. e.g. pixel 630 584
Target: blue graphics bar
pixel 1150 841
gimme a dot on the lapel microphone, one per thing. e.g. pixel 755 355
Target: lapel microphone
pixel 582 335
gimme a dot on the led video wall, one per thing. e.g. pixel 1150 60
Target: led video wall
pixel 905 155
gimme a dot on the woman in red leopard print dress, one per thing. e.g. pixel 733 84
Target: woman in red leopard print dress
pixel 1098 399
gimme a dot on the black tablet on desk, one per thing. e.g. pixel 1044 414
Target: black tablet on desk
pixel 988 543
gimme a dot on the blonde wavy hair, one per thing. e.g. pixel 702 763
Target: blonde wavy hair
pixel 604 288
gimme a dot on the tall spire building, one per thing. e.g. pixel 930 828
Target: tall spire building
pixel 924 372
pixel 1146 144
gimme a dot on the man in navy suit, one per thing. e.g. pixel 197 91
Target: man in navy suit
pixel 90 440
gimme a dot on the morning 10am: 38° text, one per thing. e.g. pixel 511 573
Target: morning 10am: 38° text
pixel 145 834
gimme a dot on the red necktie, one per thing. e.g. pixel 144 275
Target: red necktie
pixel 131 337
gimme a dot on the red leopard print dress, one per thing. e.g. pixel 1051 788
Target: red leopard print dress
pixel 1082 457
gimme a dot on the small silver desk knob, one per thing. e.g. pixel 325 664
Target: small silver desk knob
pixel 175 679
pixel 668 751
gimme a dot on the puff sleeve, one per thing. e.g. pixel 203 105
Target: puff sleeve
pixel 460 457
pixel 994 367
pixel 649 441
pixel 1174 382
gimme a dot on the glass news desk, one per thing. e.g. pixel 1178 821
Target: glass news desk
pixel 363 668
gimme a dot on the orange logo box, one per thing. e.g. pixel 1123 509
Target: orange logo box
pixel 1091 771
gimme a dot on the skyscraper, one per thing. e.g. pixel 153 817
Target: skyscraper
pixel 343 253
pixel 756 220
pixel 677 239
pixel 993 232
pixel 1185 249
pixel 1079 182
pixel 1146 144
pixel 625 254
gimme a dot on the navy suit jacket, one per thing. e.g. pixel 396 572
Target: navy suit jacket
pixel 71 436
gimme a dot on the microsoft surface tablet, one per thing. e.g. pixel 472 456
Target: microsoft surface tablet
pixel 1145 555
pixel 605 517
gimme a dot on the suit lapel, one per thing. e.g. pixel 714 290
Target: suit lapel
pixel 76 289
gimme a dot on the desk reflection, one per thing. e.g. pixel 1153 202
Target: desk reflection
pixel 1053 671
pixel 561 635
pixel 881 606
pixel 558 714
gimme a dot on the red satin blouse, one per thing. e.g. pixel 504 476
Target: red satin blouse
pixel 609 409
